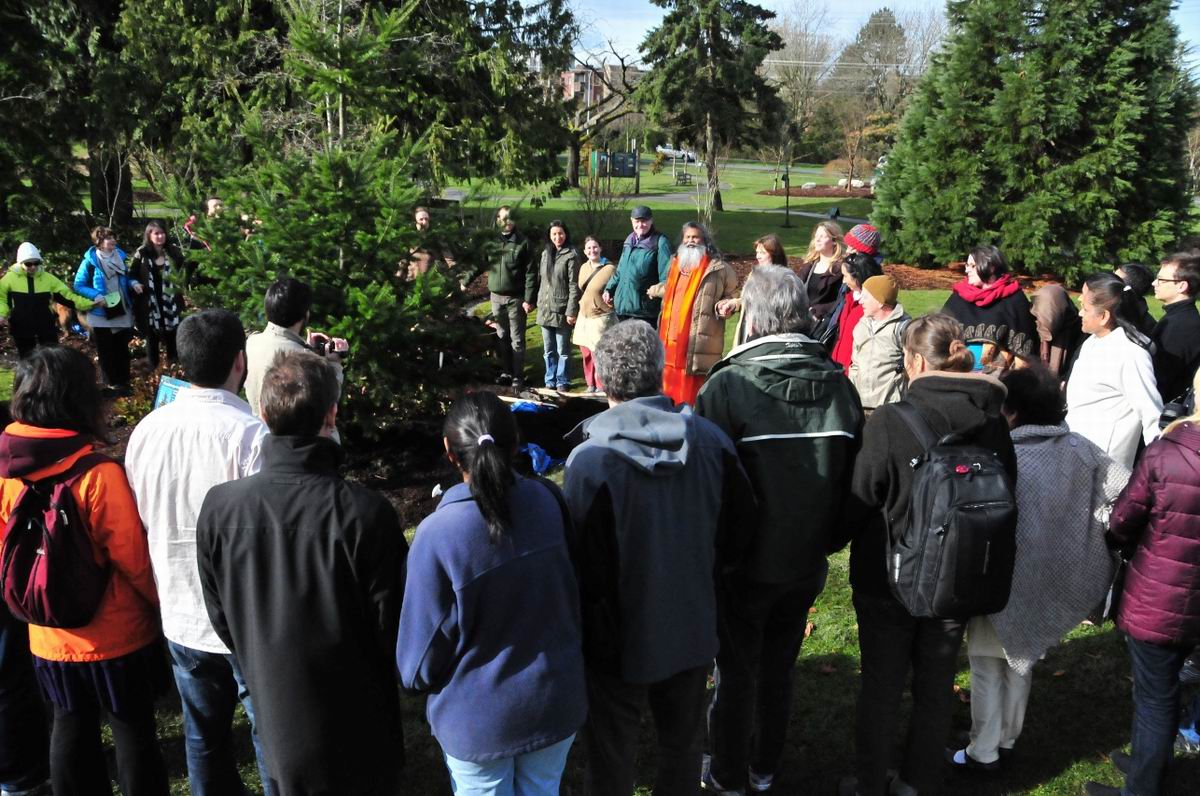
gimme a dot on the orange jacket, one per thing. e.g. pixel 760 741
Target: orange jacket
pixel 127 619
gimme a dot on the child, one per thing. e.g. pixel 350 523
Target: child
pixel 25 295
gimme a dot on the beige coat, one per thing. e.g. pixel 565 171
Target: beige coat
pixel 594 315
pixel 706 336
pixel 877 359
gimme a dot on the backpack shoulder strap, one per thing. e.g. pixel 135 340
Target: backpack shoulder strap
pixel 78 469
pixel 920 429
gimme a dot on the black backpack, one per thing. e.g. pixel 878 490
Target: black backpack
pixel 955 558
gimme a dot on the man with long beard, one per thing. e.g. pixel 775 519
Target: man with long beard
pixel 690 328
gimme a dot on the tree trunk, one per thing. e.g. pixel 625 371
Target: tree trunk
pixel 111 185
pixel 573 161
pixel 710 161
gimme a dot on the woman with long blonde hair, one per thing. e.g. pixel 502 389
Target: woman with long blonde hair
pixel 821 269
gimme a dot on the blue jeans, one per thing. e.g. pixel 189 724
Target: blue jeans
pixel 1155 715
pixel 555 344
pixel 210 686
pixel 531 774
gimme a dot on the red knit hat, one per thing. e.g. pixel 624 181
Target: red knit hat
pixel 863 238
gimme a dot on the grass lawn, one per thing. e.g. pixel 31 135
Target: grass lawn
pixel 6 384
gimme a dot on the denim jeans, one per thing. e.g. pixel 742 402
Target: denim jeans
pixel 24 736
pixel 556 342
pixel 210 686
pixel 531 774
pixel 761 627
pixel 1155 715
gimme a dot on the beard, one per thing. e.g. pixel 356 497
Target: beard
pixel 689 256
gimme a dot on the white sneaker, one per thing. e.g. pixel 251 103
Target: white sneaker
pixel 760 783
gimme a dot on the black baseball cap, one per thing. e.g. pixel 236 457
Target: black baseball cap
pixel 641 211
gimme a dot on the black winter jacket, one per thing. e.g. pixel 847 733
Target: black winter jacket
pixel 1176 341
pixel 302 574
pixel 796 423
pixel 960 403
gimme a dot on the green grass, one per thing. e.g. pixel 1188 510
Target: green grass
pixel 6 383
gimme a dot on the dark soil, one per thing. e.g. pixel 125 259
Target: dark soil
pixel 821 191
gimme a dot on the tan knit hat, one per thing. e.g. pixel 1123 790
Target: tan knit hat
pixel 883 289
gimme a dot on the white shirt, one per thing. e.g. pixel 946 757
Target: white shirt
pixel 1111 395
pixel 176 454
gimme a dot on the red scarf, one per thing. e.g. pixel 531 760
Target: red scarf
pixel 1003 287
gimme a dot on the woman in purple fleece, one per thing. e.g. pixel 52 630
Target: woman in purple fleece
pixel 490 627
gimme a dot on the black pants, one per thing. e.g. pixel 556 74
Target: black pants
pixel 77 766
pixel 112 347
pixel 892 641
pixel 761 628
pixel 614 722
pixel 24 736
pixel 155 341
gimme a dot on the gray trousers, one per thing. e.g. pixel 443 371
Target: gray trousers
pixel 510 316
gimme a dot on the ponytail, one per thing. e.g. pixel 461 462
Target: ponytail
pixel 937 337
pixel 482 436
pixel 1107 291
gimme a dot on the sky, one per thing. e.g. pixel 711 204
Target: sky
pixel 626 22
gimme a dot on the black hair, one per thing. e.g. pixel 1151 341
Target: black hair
pixel 861 267
pixel 550 247
pixel 483 438
pixel 287 301
pixel 1034 396
pixel 1139 277
pixel 1187 268
pixel 208 344
pixel 1107 291
pixel 989 262
pixel 55 387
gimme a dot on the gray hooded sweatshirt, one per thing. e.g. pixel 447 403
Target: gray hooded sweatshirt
pixel 655 492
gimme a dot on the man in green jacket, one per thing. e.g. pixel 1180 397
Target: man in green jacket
pixel 513 284
pixel 25 295
pixel 645 262
pixel 796 423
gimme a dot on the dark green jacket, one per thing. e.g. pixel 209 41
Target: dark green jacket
pixel 643 263
pixel 513 271
pixel 796 423
pixel 558 295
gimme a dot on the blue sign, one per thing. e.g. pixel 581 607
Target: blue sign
pixel 168 390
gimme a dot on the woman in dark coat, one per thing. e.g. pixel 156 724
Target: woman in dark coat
pixel 1157 518
pixel 990 296
pixel 951 399
pixel 159 266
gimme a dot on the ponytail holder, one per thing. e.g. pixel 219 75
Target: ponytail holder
pixel 1127 287
pixel 485 438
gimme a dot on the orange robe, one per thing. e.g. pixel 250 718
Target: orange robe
pixel 675 327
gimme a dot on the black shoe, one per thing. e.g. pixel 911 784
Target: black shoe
pixel 1006 755
pixel 1120 760
pixel 1100 789
pixel 504 379
pixel 959 760
pixel 1190 673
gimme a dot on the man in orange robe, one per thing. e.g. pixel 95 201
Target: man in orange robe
pixel 689 327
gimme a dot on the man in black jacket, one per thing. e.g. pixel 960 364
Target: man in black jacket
pixel 1177 336
pixel 302 575
pixel 795 420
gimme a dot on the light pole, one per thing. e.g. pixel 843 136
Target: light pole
pixel 787 194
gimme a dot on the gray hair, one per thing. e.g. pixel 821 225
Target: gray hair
pixel 774 301
pixel 705 235
pixel 629 361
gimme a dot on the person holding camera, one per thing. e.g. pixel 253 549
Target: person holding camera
pixel 287 304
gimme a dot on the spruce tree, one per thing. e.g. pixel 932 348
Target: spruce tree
pixel 1055 130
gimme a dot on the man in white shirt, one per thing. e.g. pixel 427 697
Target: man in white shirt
pixel 207 436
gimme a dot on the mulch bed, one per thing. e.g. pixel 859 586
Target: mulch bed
pixel 821 191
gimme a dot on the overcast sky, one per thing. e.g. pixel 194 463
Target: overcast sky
pixel 626 22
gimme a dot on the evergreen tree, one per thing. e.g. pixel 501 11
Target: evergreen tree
pixel 1055 130
pixel 705 82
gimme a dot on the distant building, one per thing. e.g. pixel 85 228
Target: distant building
pixel 591 86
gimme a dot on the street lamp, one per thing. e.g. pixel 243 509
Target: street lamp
pixel 787 195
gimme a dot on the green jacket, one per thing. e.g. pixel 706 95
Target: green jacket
pixel 797 424
pixel 558 295
pixel 643 263
pixel 513 271
pixel 26 298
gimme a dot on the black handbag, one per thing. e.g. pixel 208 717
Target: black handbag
pixel 1183 406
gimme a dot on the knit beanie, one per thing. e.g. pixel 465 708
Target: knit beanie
pixel 863 238
pixel 883 289
pixel 27 251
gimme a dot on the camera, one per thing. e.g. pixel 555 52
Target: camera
pixel 327 346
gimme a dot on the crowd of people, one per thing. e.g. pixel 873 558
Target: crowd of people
pixel 688 541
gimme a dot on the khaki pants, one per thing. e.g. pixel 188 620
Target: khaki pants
pixel 999 696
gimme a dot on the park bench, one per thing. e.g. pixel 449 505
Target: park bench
pixel 683 178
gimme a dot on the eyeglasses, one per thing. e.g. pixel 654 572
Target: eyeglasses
pixel 1161 279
